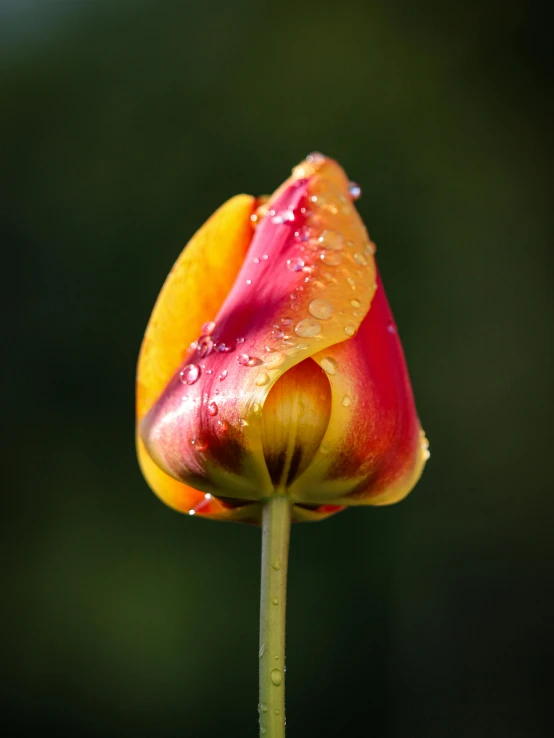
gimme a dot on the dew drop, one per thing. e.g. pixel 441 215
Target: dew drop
pixel 198 444
pixel 330 240
pixel 222 347
pixel 190 374
pixel 256 260
pixel 243 423
pixel 350 330
pixel 324 448
pixel 246 360
pixel 262 379
pixel 295 264
pixel 302 234
pixel 286 216
pixel 351 283
pixel 320 309
pixel 248 281
pixel 274 360
pixel 355 303
pixel 276 564
pixel 370 248
pixel 329 365
pixel 265 257
pixel 286 321
pixel 240 340
pixel 277 712
pixel 391 328
pixel 256 408
pixel 212 409
pixel 275 601
pixel 331 258
pixel 425 447
pixel 360 259
pixel 223 374
pixel 208 328
pixel 192 512
pixel 354 190
pixel 205 346
pixel 307 328
pixel 223 426
pixel 263 707
pixel 346 401
pixel 315 157
pixel 276 677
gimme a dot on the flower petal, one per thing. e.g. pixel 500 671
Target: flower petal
pixel 194 291
pixel 374 449
pixel 310 254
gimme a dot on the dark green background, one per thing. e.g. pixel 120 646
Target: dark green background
pixel 123 126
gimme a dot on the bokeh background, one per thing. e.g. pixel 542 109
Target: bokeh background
pixel 123 126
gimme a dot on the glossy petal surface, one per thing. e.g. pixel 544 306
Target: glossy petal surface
pixel 310 252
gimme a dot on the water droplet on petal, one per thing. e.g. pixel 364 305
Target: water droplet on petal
pixel 248 281
pixel 355 303
pixel 240 340
pixel 346 401
pixel 256 408
pixel 208 328
pixel 262 379
pixel 286 216
pixel 360 259
pixel 329 365
pixel 295 264
pixel 198 444
pixel 315 157
pixel 351 283
pixel 246 360
pixel 331 258
pixel 205 346
pixel 263 707
pixel 307 328
pixel 212 408
pixel 324 448
pixel 275 601
pixel 276 564
pixel 223 374
pixel 354 190
pixel 223 347
pixel 320 309
pixel 223 426
pixel 192 512
pixel 190 374
pixel 274 360
pixel 391 328
pixel 286 321
pixel 243 423
pixel 350 330
pixel 330 240
pixel 276 677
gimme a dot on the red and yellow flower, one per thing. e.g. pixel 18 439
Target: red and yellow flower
pixel 272 364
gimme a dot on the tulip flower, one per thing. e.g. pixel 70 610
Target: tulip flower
pixel 271 383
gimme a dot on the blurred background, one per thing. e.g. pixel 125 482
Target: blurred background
pixel 123 126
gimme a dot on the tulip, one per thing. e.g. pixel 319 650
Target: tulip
pixel 271 383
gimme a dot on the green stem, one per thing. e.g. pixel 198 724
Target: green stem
pixel 273 601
